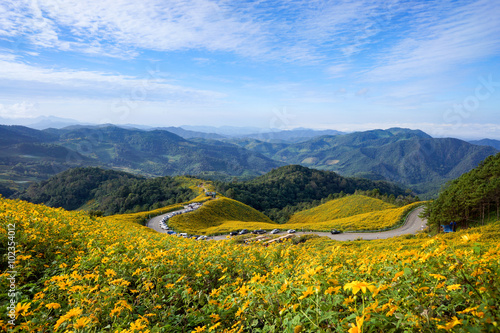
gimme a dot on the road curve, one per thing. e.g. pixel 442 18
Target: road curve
pixel 412 225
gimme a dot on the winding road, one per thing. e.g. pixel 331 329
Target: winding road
pixel 412 225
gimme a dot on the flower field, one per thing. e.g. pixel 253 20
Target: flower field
pixel 216 212
pixel 224 215
pixel 81 274
pixel 340 208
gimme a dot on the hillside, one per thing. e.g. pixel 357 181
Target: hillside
pixel 29 155
pixel 216 212
pixel 109 191
pixel 285 190
pixel 339 208
pixel 106 275
pixel 407 157
pixel 487 142
pixel 472 198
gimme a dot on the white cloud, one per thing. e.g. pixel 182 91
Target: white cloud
pixel 153 85
pixel 18 110
pixel 442 39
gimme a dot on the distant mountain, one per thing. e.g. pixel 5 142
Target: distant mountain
pixel 223 130
pixel 187 134
pixel 289 136
pixel 408 157
pixel 487 142
pixel 42 122
pixel 38 155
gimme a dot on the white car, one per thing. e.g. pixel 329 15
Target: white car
pixel 291 231
pixel 202 237
pixel 274 231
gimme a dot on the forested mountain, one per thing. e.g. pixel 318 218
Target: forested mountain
pixel 472 198
pixel 293 185
pixel 408 157
pixel 29 155
pixel 487 142
pixel 289 136
pixel 109 191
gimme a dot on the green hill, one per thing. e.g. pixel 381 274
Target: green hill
pixel 472 198
pixel 288 189
pixel 109 191
pixel 216 212
pixel 339 208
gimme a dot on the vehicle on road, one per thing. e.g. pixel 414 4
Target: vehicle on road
pixel 259 232
pixel 202 237
pixel 274 231
pixel 233 233
pixel 335 232
pixel 291 231
pixel 244 231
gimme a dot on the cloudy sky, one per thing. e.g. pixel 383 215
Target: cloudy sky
pixel 345 65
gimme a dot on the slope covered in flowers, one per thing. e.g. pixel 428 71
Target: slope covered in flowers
pixel 340 208
pixel 79 274
pixel 214 213
pixel 223 215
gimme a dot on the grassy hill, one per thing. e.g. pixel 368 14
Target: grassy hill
pixel 83 274
pixel 376 220
pixel 216 212
pixel 339 208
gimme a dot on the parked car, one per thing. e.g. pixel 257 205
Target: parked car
pixel 274 231
pixel 291 231
pixel 259 232
pixel 183 234
pixel 202 237
pixel 171 232
pixel 335 232
pixel 244 231
pixel 233 233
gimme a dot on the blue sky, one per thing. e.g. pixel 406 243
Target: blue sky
pixel 345 65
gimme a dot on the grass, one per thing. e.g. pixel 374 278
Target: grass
pixel 215 213
pixel 340 208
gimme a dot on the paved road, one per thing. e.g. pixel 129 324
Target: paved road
pixel 412 225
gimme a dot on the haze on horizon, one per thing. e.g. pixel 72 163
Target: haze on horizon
pixel 343 65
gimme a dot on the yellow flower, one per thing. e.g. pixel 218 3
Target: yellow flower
pixel 214 327
pixel 109 272
pixel 454 287
pixel 199 329
pixel 332 289
pixel 22 308
pixel 358 327
pixel 357 286
pixel 449 325
pixel 53 306
pixel 398 274
pixel 138 325
pixel 438 276
pixel 306 293
pixel 81 322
